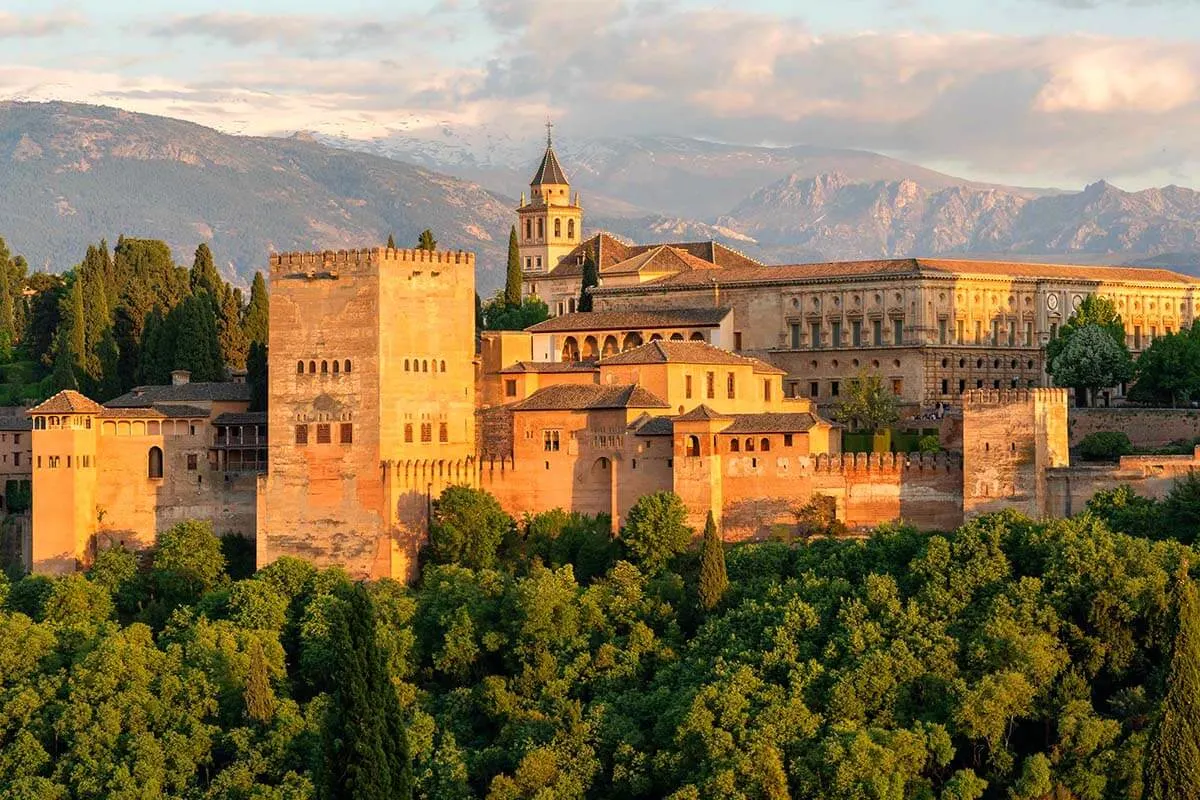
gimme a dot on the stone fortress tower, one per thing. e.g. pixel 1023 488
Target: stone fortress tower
pixel 550 225
pixel 372 408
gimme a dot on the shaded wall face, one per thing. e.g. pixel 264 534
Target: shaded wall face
pixel 64 499
pixel 999 457
pixel 323 501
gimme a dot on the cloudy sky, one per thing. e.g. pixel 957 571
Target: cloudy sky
pixel 1035 92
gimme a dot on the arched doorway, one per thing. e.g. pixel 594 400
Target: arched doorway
pixel 610 346
pixel 570 349
pixel 693 446
pixel 632 340
pixel 591 350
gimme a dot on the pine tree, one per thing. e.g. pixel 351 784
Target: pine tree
pixel 426 241
pixel 256 320
pixel 714 581
pixel 259 697
pixel 512 281
pixel 364 744
pixel 591 277
pixel 1173 753
pixel 391 243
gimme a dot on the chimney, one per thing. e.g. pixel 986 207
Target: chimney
pixel 180 376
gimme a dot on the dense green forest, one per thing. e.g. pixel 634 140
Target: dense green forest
pixel 124 317
pixel 545 659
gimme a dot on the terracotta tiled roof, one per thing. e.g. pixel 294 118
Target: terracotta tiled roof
pixel 146 396
pixel 646 425
pixel 904 267
pixel 11 422
pixel 68 401
pixel 608 251
pixel 701 412
pixel 550 367
pixel 771 423
pixel 588 397
pixel 550 171
pixel 661 258
pixel 156 412
pixel 661 351
pixel 632 320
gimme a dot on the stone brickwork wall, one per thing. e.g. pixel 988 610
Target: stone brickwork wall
pixel 1151 476
pixel 1146 427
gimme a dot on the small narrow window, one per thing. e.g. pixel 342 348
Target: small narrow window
pixel 346 433
pixel 443 432
pixel 301 434
pixel 510 388
pixel 192 462
pixel 442 366
pixel 424 366
pixel 324 367
pixel 426 432
pixel 735 446
pixel 408 433
pixel 312 368
pixel 323 433
pixel 336 367
pixel 787 440
pixel 765 445
pixel 155 462
pixel 299 367
pixel 749 445
pixel 346 365
pixel 406 365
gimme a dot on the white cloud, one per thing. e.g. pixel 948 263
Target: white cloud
pixel 39 25
pixel 1118 78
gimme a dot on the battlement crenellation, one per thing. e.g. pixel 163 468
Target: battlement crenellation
pixel 978 398
pixel 332 262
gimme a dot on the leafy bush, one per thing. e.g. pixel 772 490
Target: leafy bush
pixel 929 444
pixel 655 530
pixel 467 528
pixel 1105 446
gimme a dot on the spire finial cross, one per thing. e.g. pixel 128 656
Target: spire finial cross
pixel 549 133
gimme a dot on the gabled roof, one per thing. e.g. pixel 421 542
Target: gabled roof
pixel 662 352
pixel 608 251
pixel 199 392
pixel 701 412
pixel 589 397
pixel 247 418
pixel 646 425
pixel 660 258
pixel 549 367
pixel 68 401
pixel 904 267
pixel 550 171
pixel 772 423
pixel 632 320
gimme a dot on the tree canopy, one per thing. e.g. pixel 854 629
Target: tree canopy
pixel 1091 360
pixel 866 402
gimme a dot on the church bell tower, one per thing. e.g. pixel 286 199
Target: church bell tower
pixel 550 225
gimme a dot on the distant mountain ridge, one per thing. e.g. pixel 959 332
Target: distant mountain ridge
pixel 74 173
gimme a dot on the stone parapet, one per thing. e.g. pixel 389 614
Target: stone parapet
pixel 329 263
pixel 1005 397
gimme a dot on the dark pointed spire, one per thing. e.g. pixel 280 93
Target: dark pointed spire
pixel 550 171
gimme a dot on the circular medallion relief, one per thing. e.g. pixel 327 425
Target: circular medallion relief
pixel 1052 302
pixel 1076 301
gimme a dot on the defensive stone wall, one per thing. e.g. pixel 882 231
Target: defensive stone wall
pixel 336 261
pixel 1070 488
pixel 1145 427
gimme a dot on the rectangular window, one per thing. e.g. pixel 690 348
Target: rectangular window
pixel 324 435
pixel 834 388
pixel 737 340
pixel 443 432
pixel 510 388
pixel 787 440
pixel 346 433
pixel 767 389
pixel 942 331
pixel 898 331
pixel 795 326
pixel 710 385
pixel 426 432
pixel 856 333
pixel 1029 334
pixel 814 335
pixel 528 263
pixel 730 384
pixel 68 462
pixel 537 263
pixel 1137 337
pixel 945 386
pixel 897 386
pixel 962 385
pixel 1053 329
pixel 1012 333
pixel 301 434
pixel 550 441
pixel 960 328
pixel 877 332
pixel 16 438
pixel 687 386
pixel 541 223
pixel 191 462
pixel 16 459
pixel 408 433
pixel 978 331
pixel 793 389
pixel 835 334
pixel 39 458
pixel 995 333
pixel 814 388
pixel 996 384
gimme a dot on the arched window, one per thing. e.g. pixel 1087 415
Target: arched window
pixel 697 337
pixel 591 349
pixel 570 349
pixel 735 446
pixel 765 445
pixel 406 365
pixel 324 367
pixel 299 367
pixel 693 446
pixel 312 367
pixel 424 366
pixel 557 228
pixel 336 367
pixel 610 346
pixel 570 229
pixel 655 337
pixel 442 366
pixel 676 337
pixel 346 367
pixel 749 445
pixel 632 340
pixel 155 463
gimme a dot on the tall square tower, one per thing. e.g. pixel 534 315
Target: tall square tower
pixel 371 404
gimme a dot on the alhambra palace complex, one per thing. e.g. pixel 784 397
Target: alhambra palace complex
pixel 699 371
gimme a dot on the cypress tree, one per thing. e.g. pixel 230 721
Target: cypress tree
pixel 714 581
pixel 364 745
pixel 76 323
pixel 426 241
pixel 591 277
pixel 63 376
pixel 229 330
pixel 259 697
pixel 512 281
pixel 8 331
pixel 391 243
pixel 256 376
pixel 1173 754
pixel 204 275
pixel 256 324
